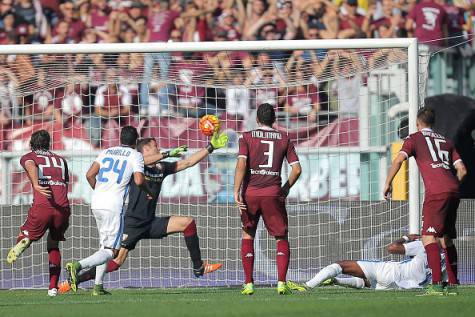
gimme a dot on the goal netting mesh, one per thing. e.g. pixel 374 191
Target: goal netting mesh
pixel 344 109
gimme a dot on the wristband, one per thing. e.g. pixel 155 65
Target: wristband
pixel 405 238
pixel 210 148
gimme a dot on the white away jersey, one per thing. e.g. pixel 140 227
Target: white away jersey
pixel 117 165
pixel 413 272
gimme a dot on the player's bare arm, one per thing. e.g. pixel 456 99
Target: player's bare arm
pixel 92 173
pixel 191 160
pixel 395 167
pixel 293 177
pixel 239 174
pixel 461 170
pixel 32 172
pixel 397 246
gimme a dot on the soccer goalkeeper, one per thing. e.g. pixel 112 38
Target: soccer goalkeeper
pixel 140 220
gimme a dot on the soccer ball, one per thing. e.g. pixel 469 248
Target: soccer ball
pixel 209 124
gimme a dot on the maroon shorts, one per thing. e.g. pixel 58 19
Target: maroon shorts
pixel 272 210
pixel 439 214
pixel 41 219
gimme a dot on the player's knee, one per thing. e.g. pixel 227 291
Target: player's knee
pixel 187 221
pixel 248 234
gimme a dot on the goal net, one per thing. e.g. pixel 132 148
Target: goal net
pixel 344 107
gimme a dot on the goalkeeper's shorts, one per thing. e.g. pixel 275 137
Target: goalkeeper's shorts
pixel 155 229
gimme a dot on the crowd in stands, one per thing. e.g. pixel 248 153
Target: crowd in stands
pixel 436 22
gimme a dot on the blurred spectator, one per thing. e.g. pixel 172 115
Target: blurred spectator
pixel 428 21
pixel 302 101
pixel 351 21
pixel 230 25
pixel 238 98
pixel 129 21
pixel 160 25
pixel 385 25
pixel 42 108
pixel 112 101
pixel 6 7
pixel 457 22
pixel 61 34
pixel 8 30
pixel 321 16
pixel 189 97
pixel 8 102
pixel 255 17
pixel 343 92
pixel 101 16
pixel 70 102
pixel 76 26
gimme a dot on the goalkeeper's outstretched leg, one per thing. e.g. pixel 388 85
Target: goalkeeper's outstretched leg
pixel 173 224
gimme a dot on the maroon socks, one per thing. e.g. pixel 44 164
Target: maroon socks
pixel 247 256
pixel 282 259
pixel 54 261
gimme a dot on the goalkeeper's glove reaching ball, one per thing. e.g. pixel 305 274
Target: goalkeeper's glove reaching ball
pixel 218 140
pixel 176 152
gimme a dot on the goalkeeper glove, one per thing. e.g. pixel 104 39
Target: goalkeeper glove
pixel 218 140
pixel 176 152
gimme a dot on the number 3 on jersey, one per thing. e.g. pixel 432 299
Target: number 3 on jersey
pixel 269 154
pixel 111 164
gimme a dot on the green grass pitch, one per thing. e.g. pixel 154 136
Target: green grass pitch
pixel 330 301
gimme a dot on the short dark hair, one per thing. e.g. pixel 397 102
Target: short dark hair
pixel 141 143
pixel 40 140
pixel 129 136
pixel 426 115
pixel 266 114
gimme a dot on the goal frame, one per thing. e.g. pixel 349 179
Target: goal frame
pixel 410 44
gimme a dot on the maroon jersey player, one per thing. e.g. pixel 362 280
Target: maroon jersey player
pixel 49 176
pixel 436 157
pixel 258 191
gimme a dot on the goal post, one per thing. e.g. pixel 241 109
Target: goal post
pixel 336 210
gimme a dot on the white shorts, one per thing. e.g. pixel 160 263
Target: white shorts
pixel 110 225
pixel 381 275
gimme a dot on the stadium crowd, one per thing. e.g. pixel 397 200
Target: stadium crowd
pixel 113 21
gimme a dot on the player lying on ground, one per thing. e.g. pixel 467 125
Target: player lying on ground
pixel 49 177
pixel 140 220
pixel 436 158
pixel 109 176
pixel 258 191
pixel 378 275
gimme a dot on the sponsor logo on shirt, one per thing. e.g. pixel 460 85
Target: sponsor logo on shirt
pixel 264 172
pixel 50 182
pixel 438 165
pixel 431 229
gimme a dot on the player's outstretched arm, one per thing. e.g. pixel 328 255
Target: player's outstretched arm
pixel 92 173
pixel 218 141
pixel 293 177
pixel 32 172
pixel 155 158
pixel 395 167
